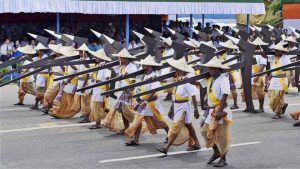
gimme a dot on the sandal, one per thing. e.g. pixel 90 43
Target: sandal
pixel 221 163
pixel 284 108
pixel 193 148
pixel 131 143
pixel 276 116
pixel 297 124
pixel 44 110
pixel 84 121
pixel 234 107
pixel 121 132
pixel 34 108
pixel 213 158
pixel 95 127
pixel 162 150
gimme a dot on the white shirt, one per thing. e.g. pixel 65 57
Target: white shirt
pixel 43 57
pixel 220 86
pixel 102 75
pixel 260 61
pixel 275 82
pixel 186 90
pixel 31 77
pixel 70 88
pixel 5 49
pixel 129 68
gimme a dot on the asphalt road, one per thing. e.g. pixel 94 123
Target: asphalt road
pixel 31 140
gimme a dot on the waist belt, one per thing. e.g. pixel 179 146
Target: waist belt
pixel 210 107
pixel 279 76
pixel 181 101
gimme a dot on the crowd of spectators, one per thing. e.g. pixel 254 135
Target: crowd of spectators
pixel 14 35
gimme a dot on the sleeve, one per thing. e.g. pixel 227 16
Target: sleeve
pixel 225 85
pixel 191 90
pixel 203 82
pixel 287 59
pixel 262 60
pixel 271 58
pixel 117 69
pixel 131 68
pixel 107 73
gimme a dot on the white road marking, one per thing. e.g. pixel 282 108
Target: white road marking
pixel 170 153
pixel 45 127
pixel 241 109
pixel 13 109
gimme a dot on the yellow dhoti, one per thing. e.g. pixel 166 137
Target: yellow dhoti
pixel 97 111
pixel 220 137
pixel 82 103
pixel 276 100
pixel 64 107
pixel 180 131
pixel 114 120
pixel 25 87
pixel 50 95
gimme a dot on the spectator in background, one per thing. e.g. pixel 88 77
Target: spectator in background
pixel 199 26
pixel 132 44
pixel 216 42
pixel 16 53
pixel 227 31
pixel 94 45
pixel 32 44
pixel 207 28
pixel 6 50
pixel 214 33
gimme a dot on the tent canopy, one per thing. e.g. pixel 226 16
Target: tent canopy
pixel 134 6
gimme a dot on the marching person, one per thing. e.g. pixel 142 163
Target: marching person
pixel 54 86
pixel 181 129
pixel 26 85
pixel 257 83
pixel 82 99
pixel 278 83
pixel 229 47
pixel 291 47
pixel 42 78
pixel 64 107
pixel 216 120
pixel 148 109
pixel 119 118
pixel 99 103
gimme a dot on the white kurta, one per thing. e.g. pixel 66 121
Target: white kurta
pixel 81 82
pixel 129 68
pixel 261 61
pixel 220 86
pixel 40 79
pixel 102 75
pixel 57 69
pixel 70 88
pixel 185 90
pixel 275 82
pixel 147 111
pixel 31 77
